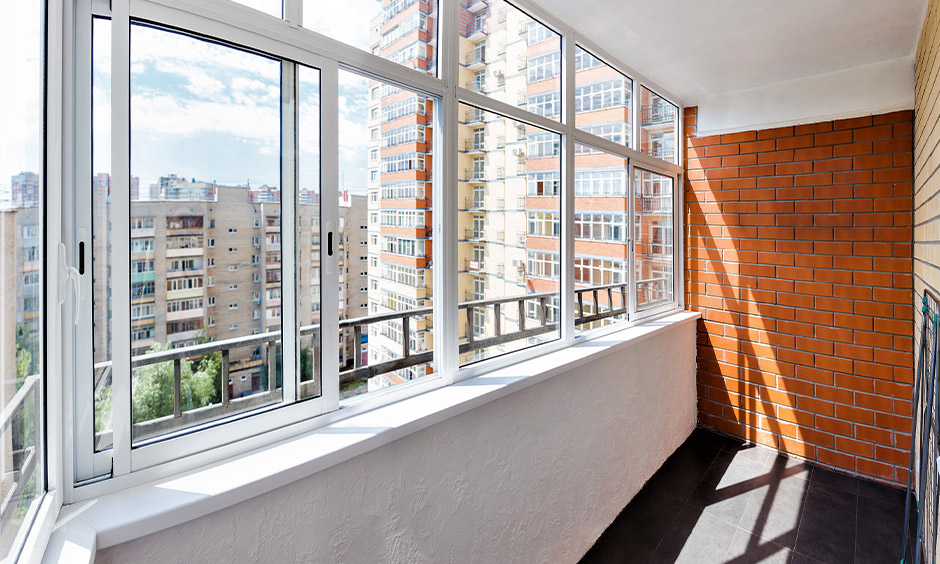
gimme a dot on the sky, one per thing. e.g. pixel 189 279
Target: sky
pixel 21 94
pixel 198 109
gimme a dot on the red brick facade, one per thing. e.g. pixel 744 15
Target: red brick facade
pixel 799 244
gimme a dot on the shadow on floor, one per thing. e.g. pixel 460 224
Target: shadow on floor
pixel 716 500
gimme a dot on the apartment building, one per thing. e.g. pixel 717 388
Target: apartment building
pixel 508 192
pixel 206 264
pixel 400 190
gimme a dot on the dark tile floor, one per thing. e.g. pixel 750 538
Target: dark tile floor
pixel 716 500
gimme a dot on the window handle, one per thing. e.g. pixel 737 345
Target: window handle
pixel 330 261
pixel 69 273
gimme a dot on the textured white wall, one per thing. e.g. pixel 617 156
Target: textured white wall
pixel 535 476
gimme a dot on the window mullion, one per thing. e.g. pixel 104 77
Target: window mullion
pixel 444 209
pixel 294 12
pixel 631 239
pixel 120 230
pixel 329 222
pixel 566 303
pixel 290 363
pixel 80 199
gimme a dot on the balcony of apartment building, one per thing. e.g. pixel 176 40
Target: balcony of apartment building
pixel 709 334
pixel 475 6
pixel 478 29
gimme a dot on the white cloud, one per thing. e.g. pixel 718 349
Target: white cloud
pixel 21 94
pixel 347 20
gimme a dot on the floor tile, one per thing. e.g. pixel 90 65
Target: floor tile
pixel 750 549
pixel 637 531
pixel 726 487
pixel 797 558
pixel 774 510
pixel 874 490
pixel 718 501
pixel 681 473
pixel 880 531
pixel 695 538
pixel 835 480
pixel 827 526
pixel 790 468
pixel 752 453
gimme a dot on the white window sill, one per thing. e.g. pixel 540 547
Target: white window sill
pixel 85 527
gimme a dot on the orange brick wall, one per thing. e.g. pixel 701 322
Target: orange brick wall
pixel 799 245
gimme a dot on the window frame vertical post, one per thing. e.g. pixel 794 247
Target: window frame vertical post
pixel 120 221
pixel 290 280
pixel 444 277
pixel 567 254
pixel 329 221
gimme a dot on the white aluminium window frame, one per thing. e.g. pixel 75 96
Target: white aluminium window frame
pixel 285 39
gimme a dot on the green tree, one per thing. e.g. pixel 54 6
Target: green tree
pixel 152 395
pixel 153 386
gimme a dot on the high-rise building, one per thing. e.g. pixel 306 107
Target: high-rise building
pixel 509 182
pixel 24 189
pixel 208 267
pixel 400 169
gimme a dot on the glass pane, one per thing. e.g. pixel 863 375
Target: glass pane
pixel 101 228
pixel 205 230
pixel 385 136
pixel 308 237
pixel 653 225
pixel 272 7
pixel 404 31
pixel 600 238
pixel 602 99
pixel 657 126
pixel 509 56
pixel 21 265
pixel 509 235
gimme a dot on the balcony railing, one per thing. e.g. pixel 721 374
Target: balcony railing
pixel 476 86
pixel 474 58
pixel 473 173
pixel 270 343
pixel 662 153
pixel 474 116
pixel 473 146
pixel 20 457
pixel 656 204
pixel 652 290
pixel 657 114
pixel 477 29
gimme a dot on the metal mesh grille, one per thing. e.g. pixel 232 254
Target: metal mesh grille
pixel 920 541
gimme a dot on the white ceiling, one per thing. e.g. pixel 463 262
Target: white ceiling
pixel 698 49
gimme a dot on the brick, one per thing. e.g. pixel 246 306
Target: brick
pixel 815 405
pixel 853 149
pixel 758 146
pixel 874 132
pixel 739 137
pixel 873 435
pixel 855 414
pixel 795 142
pixel 875 468
pixel 799 257
pixel 721 150
pixel 855 447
